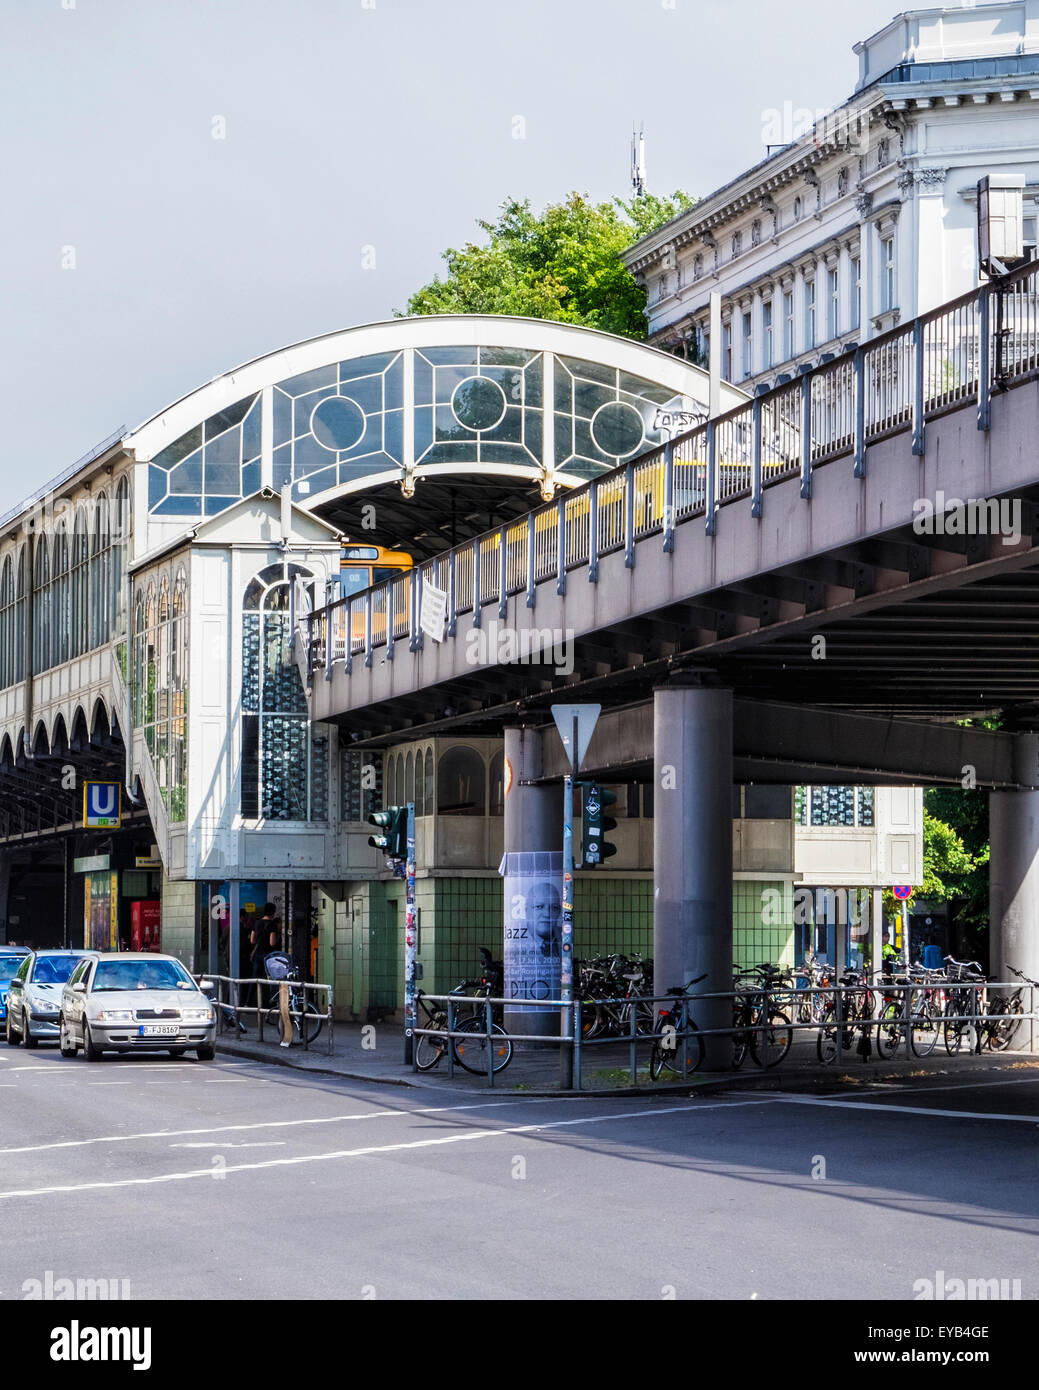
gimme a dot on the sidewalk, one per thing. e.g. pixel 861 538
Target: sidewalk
pixel 605 1068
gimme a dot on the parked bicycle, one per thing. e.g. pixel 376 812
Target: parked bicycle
pixel 672 1052
pixel 303 1012
pixel 761 1027
pixel 469 1018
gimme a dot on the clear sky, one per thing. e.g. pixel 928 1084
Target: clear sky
pixel 187 184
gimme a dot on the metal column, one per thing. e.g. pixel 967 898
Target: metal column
pixel 692 849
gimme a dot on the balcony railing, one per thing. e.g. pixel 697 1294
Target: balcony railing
pixel 984 342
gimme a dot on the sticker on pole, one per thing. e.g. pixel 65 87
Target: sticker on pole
pixel 586 717
pixel 902 892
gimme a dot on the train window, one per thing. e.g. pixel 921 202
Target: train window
pixel 360 552
pixel 381 572
pixel 354 580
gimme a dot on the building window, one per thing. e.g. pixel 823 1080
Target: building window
pixel 809 314
pixel 788 324
pixel 888 286
pixel 284 765
pixel 748 346
pixel 856 292
pixel 827 806
pixel 883 153
pixel 60 608
pixel 727 351
pixel 80 636
pixel 833 310
pixel 460 783
pixel 360 784
pixel 41 611
pixel 798 207
pixel 766 329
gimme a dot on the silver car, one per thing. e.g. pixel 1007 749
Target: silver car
pixel 34 996
pixel 136 1001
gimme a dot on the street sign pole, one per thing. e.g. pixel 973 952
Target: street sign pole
pixel 410 1003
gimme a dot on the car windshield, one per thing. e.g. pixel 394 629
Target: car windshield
pixel 54 970
pixel 140 974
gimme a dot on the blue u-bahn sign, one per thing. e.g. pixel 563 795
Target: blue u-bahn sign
pixel 102 805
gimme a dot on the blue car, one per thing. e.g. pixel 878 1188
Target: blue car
pixel 11 958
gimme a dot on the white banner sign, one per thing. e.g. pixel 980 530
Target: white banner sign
pixel 433 613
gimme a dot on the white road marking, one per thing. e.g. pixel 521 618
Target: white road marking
pixel 230 1144
pixel 469 1136
pixel 262 1124
pixel 867 1106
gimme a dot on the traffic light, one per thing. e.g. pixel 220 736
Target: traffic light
pixel 594 826
pixel 394 821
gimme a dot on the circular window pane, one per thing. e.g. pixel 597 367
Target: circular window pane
pixel 337 422
pixel 617 428
pixel 478 403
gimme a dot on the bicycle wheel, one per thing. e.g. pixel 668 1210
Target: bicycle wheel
pixel 923 1032
pixel 956 1031
pixel 889 1030
pixel 1004 1026
pixel 826 1039
pixel 428 1051
pixel 770 1043
pixel 471 1053
pixel 315 1020
pixel 664 1058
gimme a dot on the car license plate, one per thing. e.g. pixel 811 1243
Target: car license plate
pixel 159 1030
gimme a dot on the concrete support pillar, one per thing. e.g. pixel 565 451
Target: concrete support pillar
pixel 692 849
pixel 1014 883
pixel 533 824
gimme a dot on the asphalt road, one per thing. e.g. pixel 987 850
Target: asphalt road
pixel 235 1179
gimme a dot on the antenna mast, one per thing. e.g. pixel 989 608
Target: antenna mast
pixel 638 161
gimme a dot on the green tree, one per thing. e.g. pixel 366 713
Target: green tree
pixel 564 263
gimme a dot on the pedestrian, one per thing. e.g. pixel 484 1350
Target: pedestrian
pixel 259 938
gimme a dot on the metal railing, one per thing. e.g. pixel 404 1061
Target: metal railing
pixel 846 1025
pixel 228 1000
pixel 982 343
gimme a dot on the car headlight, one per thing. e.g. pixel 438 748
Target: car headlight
pixel 114 1016
pixel 197 1015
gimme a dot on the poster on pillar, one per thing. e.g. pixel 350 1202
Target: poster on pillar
pixel 533 902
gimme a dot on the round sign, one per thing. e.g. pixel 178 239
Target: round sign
pixel 903 891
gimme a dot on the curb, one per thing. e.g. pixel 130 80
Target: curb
pixel 255 1054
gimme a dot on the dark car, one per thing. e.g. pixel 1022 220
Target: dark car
pixel 34 996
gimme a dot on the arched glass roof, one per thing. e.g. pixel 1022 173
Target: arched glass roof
pixel 410 400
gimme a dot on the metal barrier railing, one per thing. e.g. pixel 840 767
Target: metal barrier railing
pixel 229 1001
pixel 842 1019
pixel 982 343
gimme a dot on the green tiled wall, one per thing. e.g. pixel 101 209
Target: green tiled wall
pixel 457 916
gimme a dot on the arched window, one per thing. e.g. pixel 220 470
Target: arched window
pixel 120 528
pixel 496 805
pixel 140 660
pixel 6 624
pixel 19 615
pixel 428 803
pixel 284 763
pixel 460 783
pixel 409 779
pixel 100 598
pixel 178 740
pixel 41 612
pixel 80 636
pixel 60 631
